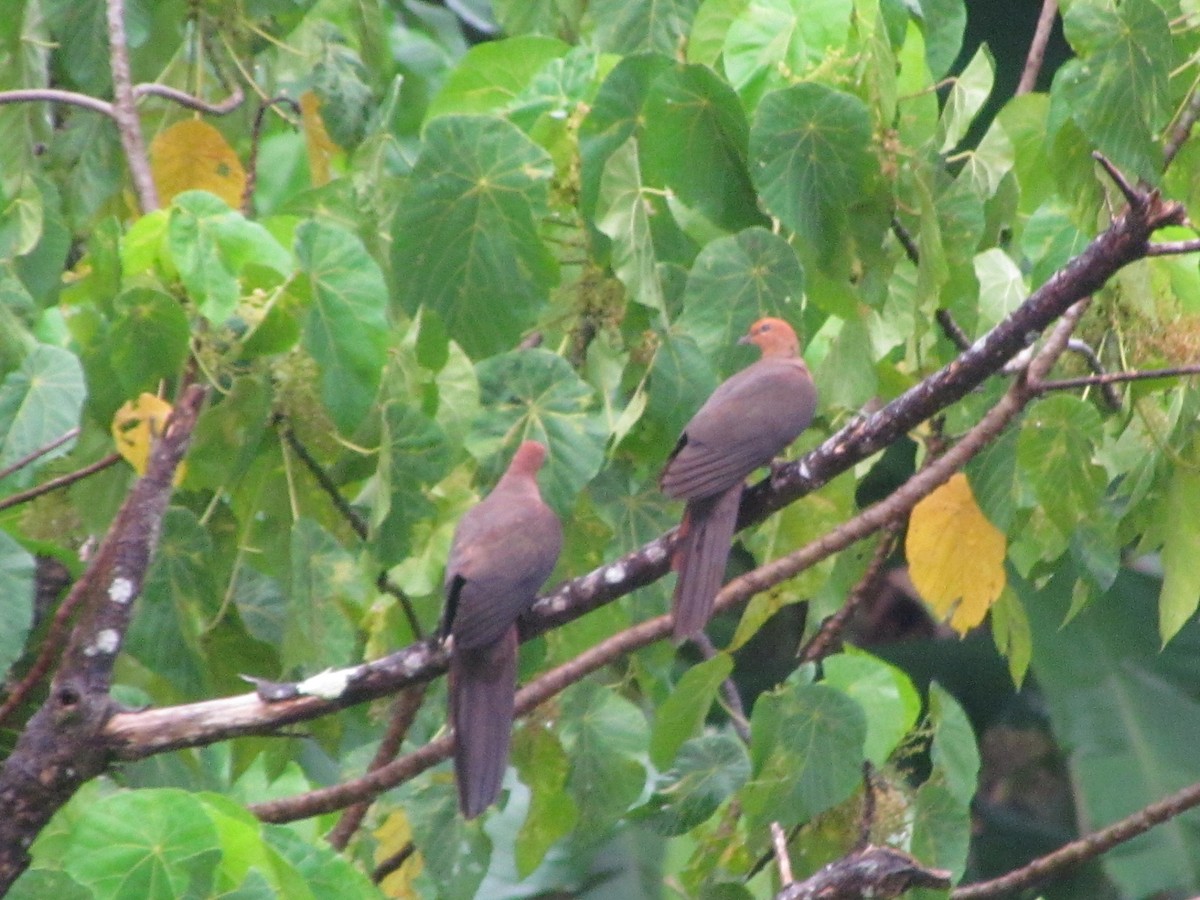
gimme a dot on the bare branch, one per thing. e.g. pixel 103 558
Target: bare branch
pixel 226 106
pixel 54 95
pixel 1109 378
pixel 61 481
pixel 124 109
pixel 1085 848
pixel 40 452
pixel 1037 47
pixel 1173 248
pixel 1182 129
pixel 822 642
pixel 404 711
pixel 882 872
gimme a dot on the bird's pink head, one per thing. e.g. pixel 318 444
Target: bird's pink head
pixel 774 337
pixel 528 458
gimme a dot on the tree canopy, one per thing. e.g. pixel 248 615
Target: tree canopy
pixel 284 283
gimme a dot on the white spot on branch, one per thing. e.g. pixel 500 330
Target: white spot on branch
pixel 614 574
pixel 327 685
pixel 121 591
pixel 107 641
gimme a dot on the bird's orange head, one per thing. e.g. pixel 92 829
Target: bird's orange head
pixel 774 337
pixel 528 458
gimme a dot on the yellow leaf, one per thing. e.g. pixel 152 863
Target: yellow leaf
pixel 192 155
pixel 321 147
pixel 136 425
pixel 955 555
pixel 393 836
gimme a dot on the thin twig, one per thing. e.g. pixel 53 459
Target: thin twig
pixel 819 646
pixel 226 106
pixel 1108 378
pixel 54 95
pixel 1082 348
pixel 61 481
pixel 1037 47
pixel 1136 199
pixel 1182 130
pixel 256 144
pixel 39 452
pixel 324 481
pixel 1173 248
pixel 392 863
pixel 404 711
pixel 1085 848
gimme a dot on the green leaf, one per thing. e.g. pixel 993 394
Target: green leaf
pixel 967 96
pixel 682 714
pixel 734 281
pixel 149 339
pixel 1001 288
pixel 943 22
pixel 1049 240
pixel 846 377
pixel 811 161
pixel 492 75
pixel 628 28
pixel 324 578
pixel 770 43
pixel 1011 632
pixel 465 237
pixel 806 753
pixel 414 455
pixel 210 245
pixel 536 395
pixel 456 853
pixel 20 219
pixel 261 604
pixel 1117 92
pixel 886 694
pixel 707 771
pixel 955 755
pixel 40 402
pixel 16 599
pixel 149 843
pixel 941 828
pixel 711 24
pixel 542 765
pixel 346 330
pixel 178 598
pixel 1054 451
pixel 326 873
pixel 1181 552
pixel 681 379
pixel 623 210
pixel 607 737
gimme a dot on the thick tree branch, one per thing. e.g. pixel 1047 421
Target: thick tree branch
pixel 141 734
pixel 60 747
pixel 882 872
pixel 737 591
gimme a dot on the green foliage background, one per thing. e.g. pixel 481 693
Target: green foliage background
pixel 636 182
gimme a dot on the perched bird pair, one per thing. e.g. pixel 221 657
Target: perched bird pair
pixel 505 547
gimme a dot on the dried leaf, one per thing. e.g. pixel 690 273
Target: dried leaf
pixel 955 555
pixel 192 155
